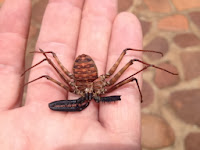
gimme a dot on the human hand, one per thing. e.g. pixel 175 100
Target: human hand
pixel 68 29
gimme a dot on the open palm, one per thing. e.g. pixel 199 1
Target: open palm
pixel 69 28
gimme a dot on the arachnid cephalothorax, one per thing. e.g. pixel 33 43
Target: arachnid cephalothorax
pixel 85 80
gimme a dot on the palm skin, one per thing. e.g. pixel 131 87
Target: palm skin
pixel 44 130
pixel 90 27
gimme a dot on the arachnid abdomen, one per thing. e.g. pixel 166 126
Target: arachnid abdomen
pixel 85 69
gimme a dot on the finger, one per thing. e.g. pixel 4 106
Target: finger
pixel 59 33
pixel 14 24
pixel 94 37
pixel 124 116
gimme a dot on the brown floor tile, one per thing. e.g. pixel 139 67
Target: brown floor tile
pixel 164 79
pixel 190 62
pixel 173 23
pixel 156 132
pixel 123 5
pixel 161 6
pixel 192 141
pixel 186 105
pixel 195 17
pixel 186 39
pixel 186 4
pixel 146 25
pixel 147 94
pixel 159 44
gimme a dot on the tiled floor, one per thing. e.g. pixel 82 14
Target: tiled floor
pixel 170 114
pixel 171 119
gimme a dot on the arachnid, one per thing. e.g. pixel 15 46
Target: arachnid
pixel 85 80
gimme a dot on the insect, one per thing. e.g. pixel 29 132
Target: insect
pixel 85 82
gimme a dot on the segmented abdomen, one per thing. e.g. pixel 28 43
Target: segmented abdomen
pixel 85 69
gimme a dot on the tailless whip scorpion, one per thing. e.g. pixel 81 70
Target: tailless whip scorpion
pixel 85 82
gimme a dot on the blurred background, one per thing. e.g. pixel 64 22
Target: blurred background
pixel 171 107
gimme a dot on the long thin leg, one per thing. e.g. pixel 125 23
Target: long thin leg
pixel 70 75
pixel 116 77
pixel 114 67
pixel 124 82
pixel 132 78
pixel 33 66
pixel 50 79
pixel 53 65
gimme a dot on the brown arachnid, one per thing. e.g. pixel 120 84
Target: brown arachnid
pixel 85 80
